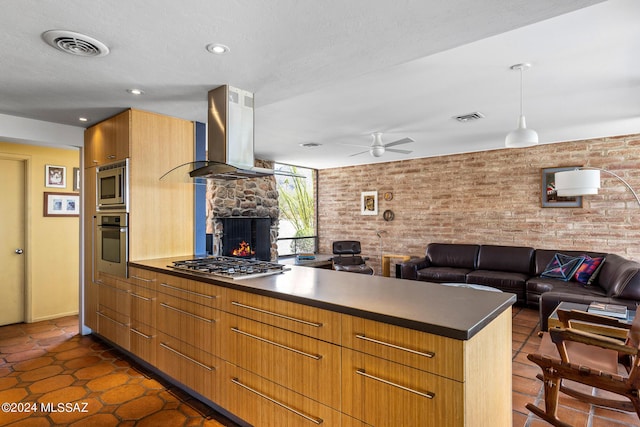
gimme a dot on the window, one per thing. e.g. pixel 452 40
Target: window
pixel 297 203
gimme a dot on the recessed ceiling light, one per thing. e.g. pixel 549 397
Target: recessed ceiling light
pixel 310 144
pixel 135 91
pixel 218 49
pixel 83 119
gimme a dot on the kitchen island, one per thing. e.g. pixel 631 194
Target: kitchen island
pixel 313 346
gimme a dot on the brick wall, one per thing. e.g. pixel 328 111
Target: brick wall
pixel 491 197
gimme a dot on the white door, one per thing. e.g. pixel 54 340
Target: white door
pixel 12 232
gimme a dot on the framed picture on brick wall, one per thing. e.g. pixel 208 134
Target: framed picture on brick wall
pixel 550 198
pixel 369 203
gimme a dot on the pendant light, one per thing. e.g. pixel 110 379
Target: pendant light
pixel 521 137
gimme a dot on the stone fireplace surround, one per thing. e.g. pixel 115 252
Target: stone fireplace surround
pixel 242 198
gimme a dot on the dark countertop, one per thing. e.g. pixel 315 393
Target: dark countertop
pixel 453 312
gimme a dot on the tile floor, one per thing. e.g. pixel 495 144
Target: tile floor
pixel 49 362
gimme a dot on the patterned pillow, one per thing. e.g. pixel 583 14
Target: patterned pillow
pixel 562 267
pixel 588 270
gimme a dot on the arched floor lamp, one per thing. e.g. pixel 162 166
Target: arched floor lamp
pixel 584 181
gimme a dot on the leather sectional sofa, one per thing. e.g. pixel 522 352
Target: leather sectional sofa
pixel 524 271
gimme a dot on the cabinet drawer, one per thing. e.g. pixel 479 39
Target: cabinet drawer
pixel 421 350
pixel 188 321
pixel 303 364
pixel 114 327
pixel 263 403
pixel 200 292
pixel 114 298
pixel 310 321
pixel 189 365
pixel 143 341
pixel 142 277
pixel 388 394
pixel 143 306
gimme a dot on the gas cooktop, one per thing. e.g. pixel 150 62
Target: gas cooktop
pixel 229 267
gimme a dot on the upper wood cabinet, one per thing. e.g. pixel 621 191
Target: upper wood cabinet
pixel 108 141
pixel 161 213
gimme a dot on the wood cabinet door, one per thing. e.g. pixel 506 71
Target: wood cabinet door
pixel 90 295
pixel 421 350
pixel 193 323
pixel 121 134
pixel 143 341
pixel 189 365
pixel 304 364
pixel 191 290
pixel 387 394
pixel 264 403
pixel 143 305
pixel 306 320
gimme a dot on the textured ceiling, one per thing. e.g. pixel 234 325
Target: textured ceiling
pixel 332 72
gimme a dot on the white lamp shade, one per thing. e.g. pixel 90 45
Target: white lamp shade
pixel 579 182
pixel 521 137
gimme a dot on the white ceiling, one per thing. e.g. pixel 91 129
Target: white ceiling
pixel 334 71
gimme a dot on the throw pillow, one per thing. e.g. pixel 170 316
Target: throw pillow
pixel 588 270
pixel 562 267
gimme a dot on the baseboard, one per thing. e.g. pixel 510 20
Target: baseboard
pixel 53 316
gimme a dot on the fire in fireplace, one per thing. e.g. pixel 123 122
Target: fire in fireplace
pixel 244 250
pixel 246 237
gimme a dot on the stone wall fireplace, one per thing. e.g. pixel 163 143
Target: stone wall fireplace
pixel 243 198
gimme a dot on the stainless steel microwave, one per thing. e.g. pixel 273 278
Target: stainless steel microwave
pixel 112 186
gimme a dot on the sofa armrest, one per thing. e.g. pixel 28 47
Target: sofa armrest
pixel 409 269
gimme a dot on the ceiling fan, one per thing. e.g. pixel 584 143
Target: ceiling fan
pixel 377 148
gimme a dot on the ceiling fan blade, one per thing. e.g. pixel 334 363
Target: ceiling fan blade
pixel 398 142
pixel 357 154
pixel 354 145
pixel 399 151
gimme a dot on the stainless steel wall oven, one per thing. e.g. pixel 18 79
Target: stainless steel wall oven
pixel 111 252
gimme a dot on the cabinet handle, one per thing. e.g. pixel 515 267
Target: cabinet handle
pixel 135 331
pixel 314 420
pixel 162 304
pixel 124 325
pixel 209 368
pixel 143 279
pixel 312 356
pixel 429 354
pixel 282 316
pixel 428 395
pixel 111 156
pixel 133 294
pixel 188 292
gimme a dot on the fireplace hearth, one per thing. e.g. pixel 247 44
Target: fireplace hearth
pixel 246 237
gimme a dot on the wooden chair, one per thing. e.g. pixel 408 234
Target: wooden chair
pixel 569 353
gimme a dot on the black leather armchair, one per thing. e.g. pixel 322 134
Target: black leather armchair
pixel 347 257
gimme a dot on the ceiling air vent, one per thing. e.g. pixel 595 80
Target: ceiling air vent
pixel 469 117
pixel 75 43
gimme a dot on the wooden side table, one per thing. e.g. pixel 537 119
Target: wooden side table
pixel 386 262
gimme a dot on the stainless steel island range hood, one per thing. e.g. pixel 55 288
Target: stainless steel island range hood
pixel 230 136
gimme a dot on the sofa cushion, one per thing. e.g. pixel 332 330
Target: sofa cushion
pixel 588 270
pixel 443 274
pixel 452 255
pixel 562 267
pixel 503 280
pixel 516 259
pixel 620 277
